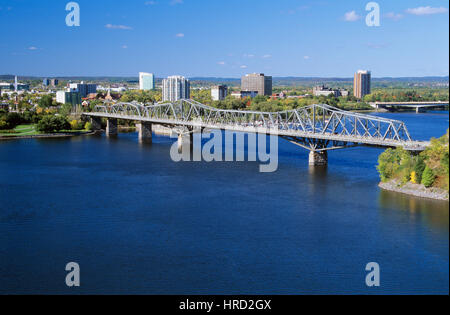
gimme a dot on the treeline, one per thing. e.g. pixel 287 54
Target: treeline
pixel 400 95
pixel 47 120
pixel 430 168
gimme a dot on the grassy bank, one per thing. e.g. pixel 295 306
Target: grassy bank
pixel 21 130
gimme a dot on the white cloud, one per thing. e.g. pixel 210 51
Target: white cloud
pixel 150 2
pixel 124 46
pixel 393 16
pixel 249 55
pixel 306 57
pixel 32 48
pixel 180 35
pixel 222 63
pixel 426 10
pixel 267 56
pixel 243 67
pixel 351 16
pixel 118 27
pixel 175 2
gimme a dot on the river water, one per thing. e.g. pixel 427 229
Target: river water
pixel 136 222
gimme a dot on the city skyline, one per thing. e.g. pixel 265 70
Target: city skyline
pixel 123 39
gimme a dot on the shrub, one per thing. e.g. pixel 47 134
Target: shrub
pixel 428 177
pixel 77 125
pixel 4 125
pixel 88 126
pixel 414 178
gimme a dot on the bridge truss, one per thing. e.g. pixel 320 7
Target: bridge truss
pixel 316 127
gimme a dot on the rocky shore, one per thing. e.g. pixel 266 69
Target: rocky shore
pixel 416 190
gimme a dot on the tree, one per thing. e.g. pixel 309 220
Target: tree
pixel 389 164
pixel 51 124
pixel 419 168
pixel 428 177
pixel 46 101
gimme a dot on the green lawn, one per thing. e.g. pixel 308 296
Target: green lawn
pixel 22 130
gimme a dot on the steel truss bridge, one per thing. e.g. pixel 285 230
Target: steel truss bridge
pixel 316 127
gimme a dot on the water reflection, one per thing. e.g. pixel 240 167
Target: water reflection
pixel 434 213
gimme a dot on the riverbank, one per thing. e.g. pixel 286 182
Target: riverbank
pixel 55 135
pixel 416 190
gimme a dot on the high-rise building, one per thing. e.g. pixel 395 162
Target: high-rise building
pixel 46 82
pixel 54 82
pixel 362 84
pixel 146 81
pixel 176 88
pixel 83 88
pixel 68 97
pixel 219 92
pixel 257 82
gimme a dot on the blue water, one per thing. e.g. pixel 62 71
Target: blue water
pixel 136 222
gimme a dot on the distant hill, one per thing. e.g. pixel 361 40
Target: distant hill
pixel 278 81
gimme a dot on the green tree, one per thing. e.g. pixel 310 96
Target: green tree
pixel 51 124
pixel 428 177
pixel 46 101
pixel 419 168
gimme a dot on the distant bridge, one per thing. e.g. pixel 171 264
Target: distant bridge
pixel 318 128
pixel 418 106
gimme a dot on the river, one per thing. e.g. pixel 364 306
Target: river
pixel 136 222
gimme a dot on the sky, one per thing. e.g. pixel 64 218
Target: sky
pixel 218 38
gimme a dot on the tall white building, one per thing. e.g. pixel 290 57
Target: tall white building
pixel 219 92
pixel 176 88
pixel 146 81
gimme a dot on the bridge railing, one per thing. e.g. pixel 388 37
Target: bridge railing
pixel 314 119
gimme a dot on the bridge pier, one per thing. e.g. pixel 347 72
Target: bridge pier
pixel 145 130
pixel 185 142
pixel 112 127
pixel 96 123
pixel 318 158
pixel 420 110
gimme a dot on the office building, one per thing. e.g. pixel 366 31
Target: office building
pixel 362 84
pixel 83 88
pixel 146 81
pixel 46 82
pixel 54 82
pixel 68 97
pixel 176 88
pixel 257 82
pixel 322 90
pixel 219 92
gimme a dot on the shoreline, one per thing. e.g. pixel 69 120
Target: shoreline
pixel 49 136
pixel 416 190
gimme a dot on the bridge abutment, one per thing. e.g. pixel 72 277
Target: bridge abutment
pixel 318 158
pixel 145 130
pixel 112 127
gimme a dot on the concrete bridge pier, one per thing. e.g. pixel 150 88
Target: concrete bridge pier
pixel 185 142
pixel 318 158
pixel 145 130
pixel 96 123
pixel 112 127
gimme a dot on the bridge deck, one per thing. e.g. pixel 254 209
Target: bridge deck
pixel 368 141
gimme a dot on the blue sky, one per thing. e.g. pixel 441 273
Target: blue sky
pixel 224 38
